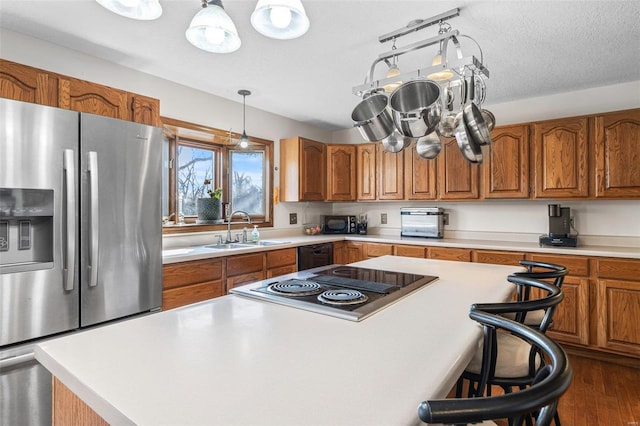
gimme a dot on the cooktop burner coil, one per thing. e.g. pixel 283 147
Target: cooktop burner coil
pixel 342 297
pixel 295 288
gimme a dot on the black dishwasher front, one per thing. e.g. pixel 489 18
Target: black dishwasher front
pixel 315 255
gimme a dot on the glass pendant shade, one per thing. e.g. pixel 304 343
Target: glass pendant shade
pixel 393 71
pixel 213 30
pixel 280 19
pixel 244 140
pixel 445 74
pixel 144 10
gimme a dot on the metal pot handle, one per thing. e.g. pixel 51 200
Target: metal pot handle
pixel 445 48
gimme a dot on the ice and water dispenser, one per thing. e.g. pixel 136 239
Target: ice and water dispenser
pixel 26 229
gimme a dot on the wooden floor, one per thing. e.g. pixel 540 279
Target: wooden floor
pixel 601 394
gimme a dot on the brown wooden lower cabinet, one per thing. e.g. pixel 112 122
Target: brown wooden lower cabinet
pixel 497 257
pixel 409 251
pixel 446 253
pixel 571 319
pixel 190 282
pixel 244 268
pixel 69 410
pixel 378 249
pixel 281 262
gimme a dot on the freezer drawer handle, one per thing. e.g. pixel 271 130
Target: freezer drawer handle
pixel 92 169
pixel 17 360
pixel 70 192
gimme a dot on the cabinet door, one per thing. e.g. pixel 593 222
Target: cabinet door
pixel 617 154
pixel 283 257
pixel 390 174
pixel 313 172
pixel 340 252
pixel 27 84
pixel 497 257
pixel 419 176
pixel 245 263
pixel 409 251
pixel 180 296
pixel 446 253
pixel 84 96
pixel 618 310
pixel 571 319
pixel 366 171
pixel 561 158
pixel 355 251
pixel 506 167
pixel 458 179
pixel 341 172
pixel 378 249
pixel 145 110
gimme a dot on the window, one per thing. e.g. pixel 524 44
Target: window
pixel 197 154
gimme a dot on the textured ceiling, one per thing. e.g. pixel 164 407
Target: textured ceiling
pixel 531 48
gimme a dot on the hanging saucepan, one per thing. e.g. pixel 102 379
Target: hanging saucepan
pixel 473 119
pixel 429 146
pixel 373 118
pixel 450 118
pixel 416 107
pixel 396 142
pixel 469 148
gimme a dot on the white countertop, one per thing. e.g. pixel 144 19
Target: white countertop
pixel 195 252
pixel 237 361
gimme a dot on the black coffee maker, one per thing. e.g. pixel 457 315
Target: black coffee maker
pixel 559 228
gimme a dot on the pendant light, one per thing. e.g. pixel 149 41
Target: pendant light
pixel 143 10
pixel 213 30
pixel 280 19
pixel 446 73
pixel 244 139
pixel 393 72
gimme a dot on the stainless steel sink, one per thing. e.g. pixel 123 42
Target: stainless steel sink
pixel 228 246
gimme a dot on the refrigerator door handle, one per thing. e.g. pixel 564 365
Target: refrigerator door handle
pixel 92 169
pixel 70 249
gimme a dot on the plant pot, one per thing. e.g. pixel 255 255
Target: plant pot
pixel 209 210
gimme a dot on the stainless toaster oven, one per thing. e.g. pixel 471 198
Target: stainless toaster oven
pixel 427 222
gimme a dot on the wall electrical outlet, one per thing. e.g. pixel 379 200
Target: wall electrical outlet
pixel 293 218
pixel 383 218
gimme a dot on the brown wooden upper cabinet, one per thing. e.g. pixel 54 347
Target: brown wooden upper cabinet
pixel 303 170
pixel 366 171
pixel 341 172
pixel 28 84
pixel 390 174
pixel 617 154
pixel 458 179
pixel 560 158
pixel 505 170
pixel 419 176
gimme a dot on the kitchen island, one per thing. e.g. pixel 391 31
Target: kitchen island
pixel 238 361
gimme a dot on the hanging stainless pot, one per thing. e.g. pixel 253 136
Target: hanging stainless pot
pixel 429 146
pixel 473 119
pixel 373 118
pixel 489 118
pixel 469 148
pixel 450 118
pixel 396 142
pixel 416 107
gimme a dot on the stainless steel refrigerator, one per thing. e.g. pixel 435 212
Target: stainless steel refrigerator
pixel 80 236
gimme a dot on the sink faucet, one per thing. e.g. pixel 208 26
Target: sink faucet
pixel 229 223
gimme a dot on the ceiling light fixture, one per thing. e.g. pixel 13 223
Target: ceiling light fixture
pixel 280 19
pixel 244 139
pixel 445 73
pixel 211 29
pixel 394 71
pixel 143 10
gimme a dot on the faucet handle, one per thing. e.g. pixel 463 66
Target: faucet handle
pixel 237 240
pixel 219 237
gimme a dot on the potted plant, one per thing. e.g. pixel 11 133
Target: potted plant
pixel 209 209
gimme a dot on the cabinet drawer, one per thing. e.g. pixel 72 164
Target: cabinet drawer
pixel 186 295
pixel 498 257
pixel 277 258
pixel 578 266
pixel 375 249
pixel 409 251
pixel 244 264
pixel 244 279
pixel 282 270
pixel 196 271
pixel 619 269
pixel 461 255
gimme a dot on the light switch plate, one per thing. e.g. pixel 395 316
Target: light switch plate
pixel 293 218
pixel 383 218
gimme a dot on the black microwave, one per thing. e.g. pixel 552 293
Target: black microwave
pixel 341 224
